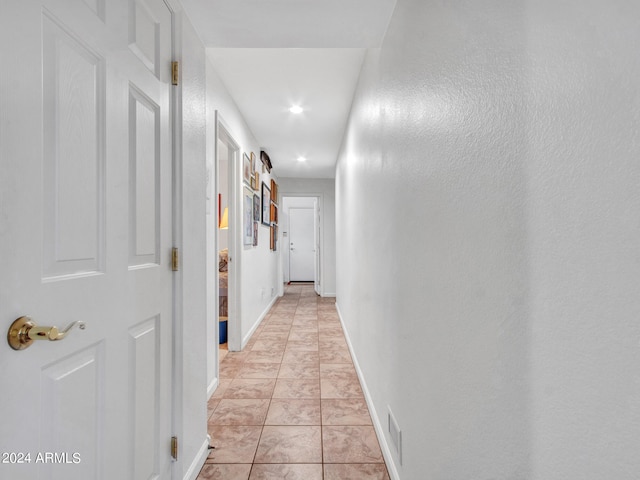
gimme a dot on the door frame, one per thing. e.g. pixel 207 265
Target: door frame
pixel 234 330
pixel 320 247
pixel 175 112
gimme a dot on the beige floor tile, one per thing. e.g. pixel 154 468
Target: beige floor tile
pixel 276 328
pixel 306 327
pixel 296 388
pixel 230 370
pixel 288 471
pixel 228 471
pixel 333 343
pixel 338 370
pixel 269 345
pixel 259 370
pixel 291 398
pixel 293 356
pixel 275 335
pixel 303 336
pixel 211 406
pixel 341 355
pixel 264 356
pixel 240 411
pixel 250 388
pixel 340 388
pixel 350 444
pixel 360 471
pixel 294 444
pixel 234 444
pixel 345 411
pixel 299 370
pixel 223 384
pixel 293 412
pixel 302 346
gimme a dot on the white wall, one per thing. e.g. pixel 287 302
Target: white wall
pixel 325 188
pixel 487 211
pixel 259 264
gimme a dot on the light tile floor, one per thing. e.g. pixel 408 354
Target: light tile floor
pixel 290 405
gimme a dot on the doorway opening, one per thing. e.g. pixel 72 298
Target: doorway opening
pixel 301 240
pixel 223 235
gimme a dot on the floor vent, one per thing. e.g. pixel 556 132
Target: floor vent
pixel 395 434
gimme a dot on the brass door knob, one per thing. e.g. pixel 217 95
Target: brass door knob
pixel 24 331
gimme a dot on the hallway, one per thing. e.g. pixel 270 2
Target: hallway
pixel 290 405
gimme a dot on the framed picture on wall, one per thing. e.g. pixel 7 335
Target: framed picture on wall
pixel 253 162
pixel 272 242
pixel 256 208
pixel 275 238
pixel 246 169
pixel 255 234
pixel 247 217
pixel 274 192
pixel 266 203
pixel 274 213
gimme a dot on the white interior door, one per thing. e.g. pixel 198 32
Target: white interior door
pixel 86 235
pixel 301 245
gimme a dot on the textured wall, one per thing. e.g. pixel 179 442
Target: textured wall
pixel 488 234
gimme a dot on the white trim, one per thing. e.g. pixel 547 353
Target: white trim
pixel 377 425
pixel 175 99
pixel 247 337
pixel 212 386
pixel 332 295
pixel 198 461
pixel 234 326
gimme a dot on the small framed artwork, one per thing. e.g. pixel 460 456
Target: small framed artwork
pixel 273 238
pixel 256 208
pixel 266 203
pixel 246 169
pixel 247 217
pixel 256 175
pixel 253 162
pixel 255 234
pixel 274 213
pixel 274 192
pixel 254 183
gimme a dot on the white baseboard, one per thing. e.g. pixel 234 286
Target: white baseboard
pixel 331 295
pixel 377 424
pixel 212 387
pixel 247 337
pixel 198 461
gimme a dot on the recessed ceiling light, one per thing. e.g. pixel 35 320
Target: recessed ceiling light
pixel 296 109
pixel 302 159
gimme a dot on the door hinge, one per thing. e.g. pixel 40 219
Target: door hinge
pixel 175 73
pixel 175 259
pixel 174 448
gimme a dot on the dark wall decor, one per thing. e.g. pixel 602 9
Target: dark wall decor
pixel 266 161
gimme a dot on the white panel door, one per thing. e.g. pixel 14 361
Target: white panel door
pixel 86 235
pixel 301 245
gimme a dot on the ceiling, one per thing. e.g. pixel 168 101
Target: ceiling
pixel 273 54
